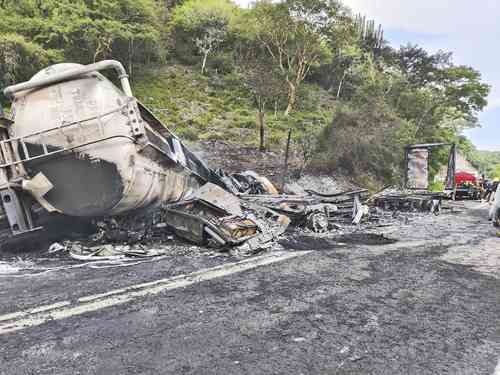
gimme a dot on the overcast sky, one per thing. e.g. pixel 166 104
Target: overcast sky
pixel 470 29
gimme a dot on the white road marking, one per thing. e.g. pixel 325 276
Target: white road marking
pixel 61 310
pixel 35 310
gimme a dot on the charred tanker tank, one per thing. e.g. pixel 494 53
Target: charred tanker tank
pixel 80 146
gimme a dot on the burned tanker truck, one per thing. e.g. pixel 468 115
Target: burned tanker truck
pixel 78 146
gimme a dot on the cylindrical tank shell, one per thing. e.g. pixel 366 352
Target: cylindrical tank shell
pixel 105 178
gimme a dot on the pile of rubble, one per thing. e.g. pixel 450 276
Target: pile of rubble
pixel 241 216
pixel 394 199
pixel 245 217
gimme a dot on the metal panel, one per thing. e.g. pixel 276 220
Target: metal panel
pixel 418 169
pixel 452 166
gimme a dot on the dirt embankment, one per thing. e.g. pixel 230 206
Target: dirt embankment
pixel 234 158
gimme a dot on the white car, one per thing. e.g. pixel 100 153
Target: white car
pixel 495 209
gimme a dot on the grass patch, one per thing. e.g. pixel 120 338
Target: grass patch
pixel 218 107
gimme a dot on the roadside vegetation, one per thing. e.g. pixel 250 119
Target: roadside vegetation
pixel 212 70
pixel 487 162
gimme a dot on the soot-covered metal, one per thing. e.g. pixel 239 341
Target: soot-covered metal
pixel 78 145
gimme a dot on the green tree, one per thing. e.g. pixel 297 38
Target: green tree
pixel 20 59
pixel 450 92
pixel 366 140
pixel 83 31
pixel 207 22
pixel 420 67
pixel 293 41
pixel 262 81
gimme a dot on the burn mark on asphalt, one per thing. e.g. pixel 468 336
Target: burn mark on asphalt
pixel 328 244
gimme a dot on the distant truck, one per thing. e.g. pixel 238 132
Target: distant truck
pixel 466 186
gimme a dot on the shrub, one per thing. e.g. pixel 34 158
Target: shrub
pixel 365 140
pixel 20 59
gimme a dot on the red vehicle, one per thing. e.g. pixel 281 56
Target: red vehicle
pixel 466 186
pixel 462 177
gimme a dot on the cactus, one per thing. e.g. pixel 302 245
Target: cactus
pixel 368 34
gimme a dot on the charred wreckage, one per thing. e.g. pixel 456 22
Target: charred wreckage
pixel 77 149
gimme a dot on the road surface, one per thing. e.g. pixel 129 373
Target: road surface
pixel 427 302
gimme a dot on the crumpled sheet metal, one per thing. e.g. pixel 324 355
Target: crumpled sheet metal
pixel 38 187
pixel 359 210
pixel 215 216
pixel 199 222
pixel 271 226
pixel 247 182
pixel 220 198
pixel 237 227
pixel 317 211
pixel 395 200
pixel 86 252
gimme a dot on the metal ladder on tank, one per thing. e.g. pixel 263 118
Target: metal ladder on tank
pixel 10 146
pixel 12 160
pixel 13 200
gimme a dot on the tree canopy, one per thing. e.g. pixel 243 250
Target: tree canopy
pixel 83 31
pixel 311 65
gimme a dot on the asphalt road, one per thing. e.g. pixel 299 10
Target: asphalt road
pixel 426 304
